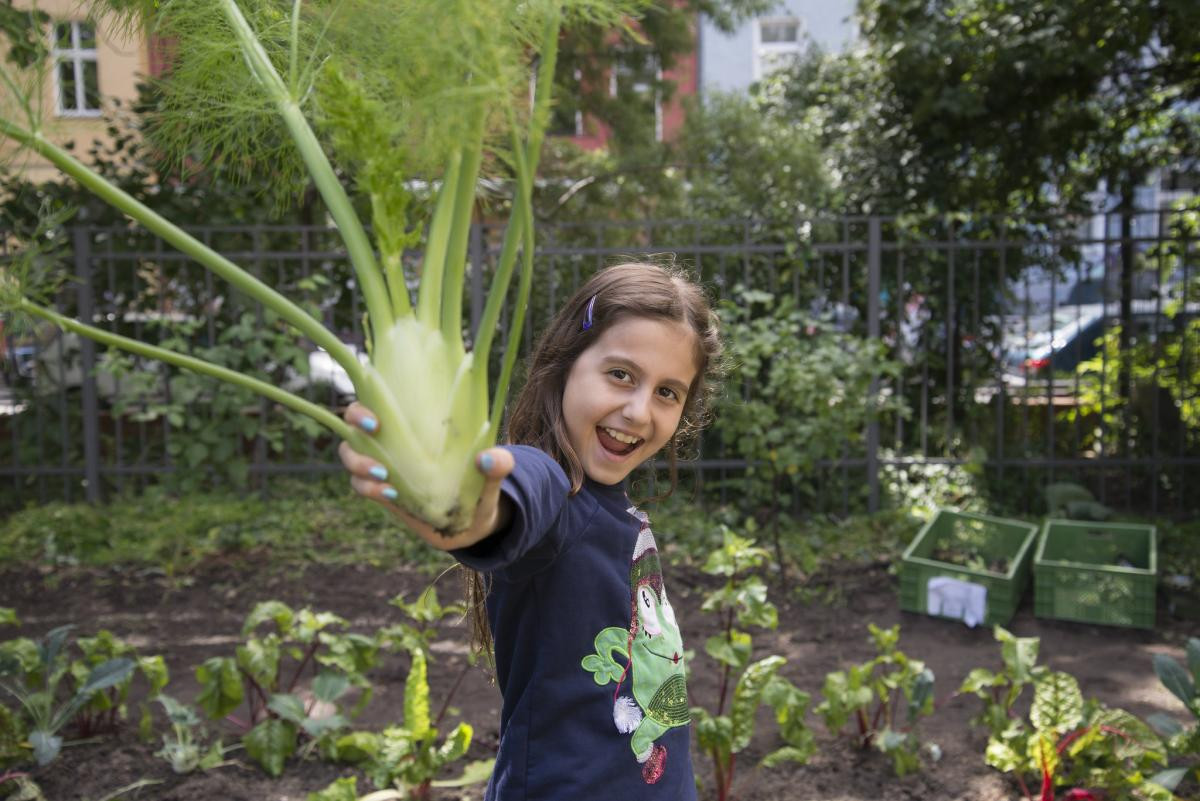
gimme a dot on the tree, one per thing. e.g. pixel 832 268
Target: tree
pixel 1007 105
pixel 615 77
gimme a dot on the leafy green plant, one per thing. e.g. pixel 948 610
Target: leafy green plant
pixel 1182 741
pixel 33 672
pixel 182 749
pixel 214 447
pixel 404 761
pixel 290 678
pixel 1067 740
pixel 872 694
pixel 815 388
pixel 742 601
pixel 103 713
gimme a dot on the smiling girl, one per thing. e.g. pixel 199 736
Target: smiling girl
pixel 588 655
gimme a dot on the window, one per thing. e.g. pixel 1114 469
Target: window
pixel 76 78
pixel 778 42
pixel 566 117
pixel 1180 180
pixel 636 75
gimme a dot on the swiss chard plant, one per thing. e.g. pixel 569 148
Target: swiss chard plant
pixel 1083 747
pixel 407 760
pixel 289 677
pixel 52 690
pixel 428 92
pixel 1183 741
pixel 743 686
pixel 885 697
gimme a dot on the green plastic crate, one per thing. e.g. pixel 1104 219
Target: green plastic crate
pixel 998 541
pixel 1096 573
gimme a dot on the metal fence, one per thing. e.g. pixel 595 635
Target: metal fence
pixel 1013 357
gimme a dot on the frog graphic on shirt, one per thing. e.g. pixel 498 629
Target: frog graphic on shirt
pixel 651 650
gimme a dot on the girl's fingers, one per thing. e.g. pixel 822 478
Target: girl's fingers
pixel 361 417
pixel 375 490
pixel 495 464
pixel 361 466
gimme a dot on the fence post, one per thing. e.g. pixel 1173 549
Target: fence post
pixel 874 265
pixel 87 362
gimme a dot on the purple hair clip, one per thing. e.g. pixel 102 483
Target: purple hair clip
pixel 587 314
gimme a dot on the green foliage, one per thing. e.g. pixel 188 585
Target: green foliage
pixel 108 708
pixel 54 691
pixel 340 790
pixel 740 162
pixel 1068 740
pixel 183 749
pixel 304 521
pixel 742 601
pixel 19 787
pixel 1183 742
pixel 809 392
pixel 291 677
pixel 1159 409
pixel 409 757
pixel 924 487
pixel 214 425
pixel 987 105
pixel 800 393
pixel 872 694
pixel 424 613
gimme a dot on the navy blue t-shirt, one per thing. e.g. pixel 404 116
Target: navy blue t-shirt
pixel 588 654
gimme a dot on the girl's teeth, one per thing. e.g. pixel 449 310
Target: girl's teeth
pixel 619 437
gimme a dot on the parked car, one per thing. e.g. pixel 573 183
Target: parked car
pixel 1076 335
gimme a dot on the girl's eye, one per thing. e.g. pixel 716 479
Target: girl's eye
pixel 668 393
pixel 618 373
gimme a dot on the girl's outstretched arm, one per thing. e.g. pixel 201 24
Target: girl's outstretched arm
pixel 369 479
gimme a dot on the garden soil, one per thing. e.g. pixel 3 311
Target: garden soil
pixel 189 619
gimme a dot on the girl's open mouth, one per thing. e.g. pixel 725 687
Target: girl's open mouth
pixel 616 442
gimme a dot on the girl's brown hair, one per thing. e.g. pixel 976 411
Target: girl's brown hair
pixel 633 289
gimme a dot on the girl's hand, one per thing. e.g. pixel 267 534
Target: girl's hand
pixel 369 479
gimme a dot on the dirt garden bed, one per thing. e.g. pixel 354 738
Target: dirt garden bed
pixel 190 620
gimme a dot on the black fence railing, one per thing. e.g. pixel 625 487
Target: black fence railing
pixel 1061 350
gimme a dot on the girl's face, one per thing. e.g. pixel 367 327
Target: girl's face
pixel 625 394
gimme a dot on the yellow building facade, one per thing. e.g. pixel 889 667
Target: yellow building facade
pixel 94 66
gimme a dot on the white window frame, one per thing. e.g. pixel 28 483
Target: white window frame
pixel 578 112
pixel 76 56
pixel 641 87
pixel 765 51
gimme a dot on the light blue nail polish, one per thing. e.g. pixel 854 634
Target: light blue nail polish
pixel 368 424
pixel 379 472
pixel 389 493
pixel 486 462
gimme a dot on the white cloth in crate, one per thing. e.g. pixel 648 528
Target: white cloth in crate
pixel 953 597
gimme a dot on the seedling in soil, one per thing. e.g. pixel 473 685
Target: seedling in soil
pixel 742 601
pixel 183 749
pixel 872 693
